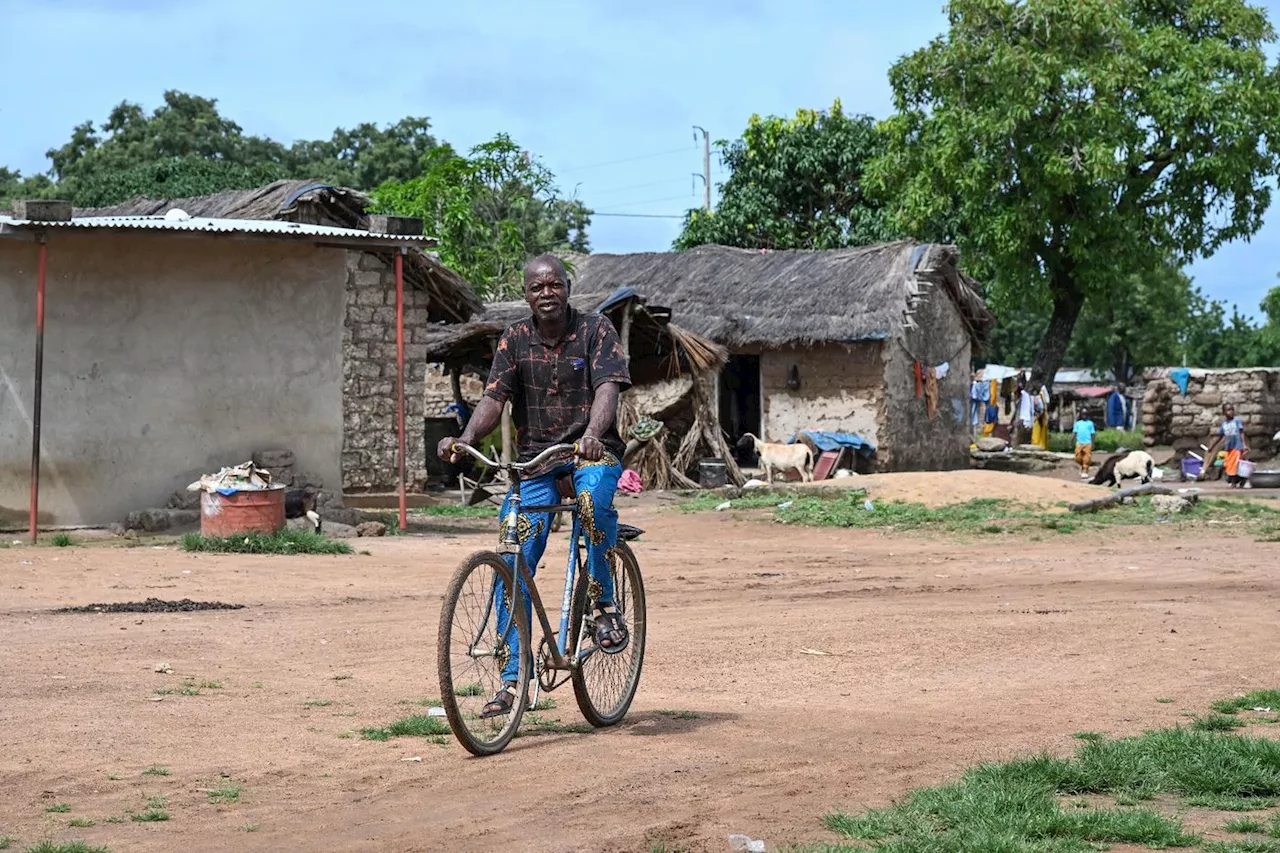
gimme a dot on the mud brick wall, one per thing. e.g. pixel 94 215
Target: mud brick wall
pixel 370 444
pixel 841 389
pixel 1171 418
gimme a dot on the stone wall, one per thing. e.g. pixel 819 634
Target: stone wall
pixel 1171 418
pixel 370 443
pixel 841 390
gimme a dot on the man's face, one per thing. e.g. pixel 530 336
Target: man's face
pixel 546 292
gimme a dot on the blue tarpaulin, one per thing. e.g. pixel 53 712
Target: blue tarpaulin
pixel 825 441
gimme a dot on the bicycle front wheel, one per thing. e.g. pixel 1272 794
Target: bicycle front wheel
pixel 475 646
pixel 604 684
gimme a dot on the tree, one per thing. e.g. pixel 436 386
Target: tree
pixel 1080 142
pixel 186 147
pixel 794 184
pixel 365 157
pixel 14 186
pixel 492 211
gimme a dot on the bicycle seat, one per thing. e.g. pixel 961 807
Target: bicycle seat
pixel 627 533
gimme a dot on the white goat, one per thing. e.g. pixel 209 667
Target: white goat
pixel 1126 466
pixel 782 457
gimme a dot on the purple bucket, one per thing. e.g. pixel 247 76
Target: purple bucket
pixel 1191 468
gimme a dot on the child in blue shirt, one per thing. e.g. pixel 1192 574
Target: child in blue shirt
pixel 1084 446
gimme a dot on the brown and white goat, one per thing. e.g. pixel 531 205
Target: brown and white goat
pixel 782 457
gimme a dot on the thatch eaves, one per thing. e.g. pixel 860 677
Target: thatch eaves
pixel 750 298
pixel 659 348
pixel 315 203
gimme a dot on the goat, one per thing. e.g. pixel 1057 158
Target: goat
pixel 1125 466
pixel 298 502
pixel 781 456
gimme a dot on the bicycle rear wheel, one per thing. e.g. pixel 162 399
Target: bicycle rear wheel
pixel 605 684
pixel 471 654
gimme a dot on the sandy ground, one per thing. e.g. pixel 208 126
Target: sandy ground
pixel 942 654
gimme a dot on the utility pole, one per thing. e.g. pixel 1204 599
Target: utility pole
pixel 706 166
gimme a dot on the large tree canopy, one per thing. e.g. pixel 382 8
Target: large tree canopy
pixel 492 211
pixel 186 147
pixel 1077 143
pixel 793 184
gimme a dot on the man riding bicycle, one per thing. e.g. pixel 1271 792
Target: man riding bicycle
pixel 562 370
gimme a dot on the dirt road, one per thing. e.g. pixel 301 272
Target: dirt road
pixel 942 653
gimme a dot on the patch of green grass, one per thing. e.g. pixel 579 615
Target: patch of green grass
pixel 1216 723
pixel 423 703
pixel 81 822
pixel 344 676
pixel 226 793
pixel 1165 701
pixel 1016 805
pixel 58 808
pixel 1256 699
pixel 1231 802
pixel 211 685
pixel 455 511
pixel 415 726
pixel 251 827
pixel 113 777
pixel 284 542
pixel 544 703
pixel 680 715
pixel 317 703
pixel 1244 824
pixel 114 819
pixel 66 847
pixel 6 841
pixel 1104 441
pixel 1092 737
pixel 981 516
pixel 155 812
pixel 1261 845
pixel 156 771
pixel 62 540
pixel 467 690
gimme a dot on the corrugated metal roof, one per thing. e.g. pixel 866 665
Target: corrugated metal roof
pixel 265 227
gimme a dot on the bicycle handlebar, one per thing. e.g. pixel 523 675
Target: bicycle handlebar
pixel 518 466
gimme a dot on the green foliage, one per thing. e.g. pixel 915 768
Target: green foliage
pixel 415 726
pixel 284 542
pixel 1078 143
pixel 794 184
pixel 1104 441
pixel 492 211
pixel 185 147
pixel 1018 806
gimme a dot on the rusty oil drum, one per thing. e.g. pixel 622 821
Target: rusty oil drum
pixel 250 511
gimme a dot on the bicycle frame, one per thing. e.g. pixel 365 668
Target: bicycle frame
pixel 509 543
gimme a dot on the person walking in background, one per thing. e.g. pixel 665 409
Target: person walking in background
pixel 1231 436
pixel 1084 430
pixel 1040 415
pixel 1116 415
pixel 979 396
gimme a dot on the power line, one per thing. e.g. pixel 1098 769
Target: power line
pixel 643 215
pixel 652 201
pixel 624 160
pixel 638 186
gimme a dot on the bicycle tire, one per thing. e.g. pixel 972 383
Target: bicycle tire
pixel 626 565
pixel 449 696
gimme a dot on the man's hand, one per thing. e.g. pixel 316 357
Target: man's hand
pixel 445 449
pixel 590 448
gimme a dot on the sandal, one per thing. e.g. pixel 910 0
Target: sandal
pixel 501 703
pixel 611 629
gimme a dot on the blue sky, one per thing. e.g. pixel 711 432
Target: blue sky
pixel 606 92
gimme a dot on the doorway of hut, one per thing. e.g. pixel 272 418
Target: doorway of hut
pixel 740 409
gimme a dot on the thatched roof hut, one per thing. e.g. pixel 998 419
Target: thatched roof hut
pixel 748 298
pixel 315 203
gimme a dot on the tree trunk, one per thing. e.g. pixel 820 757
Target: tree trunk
pixel 1068 302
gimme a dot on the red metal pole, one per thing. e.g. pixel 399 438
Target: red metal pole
pixel 404 521
pixel 39 392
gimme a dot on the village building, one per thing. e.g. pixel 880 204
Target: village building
pixel 1182 407
pixel 185 335
pixel 874 341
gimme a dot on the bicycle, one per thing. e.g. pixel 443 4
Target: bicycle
pixel 603 684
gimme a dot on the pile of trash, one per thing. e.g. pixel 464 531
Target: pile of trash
pixel 246 477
